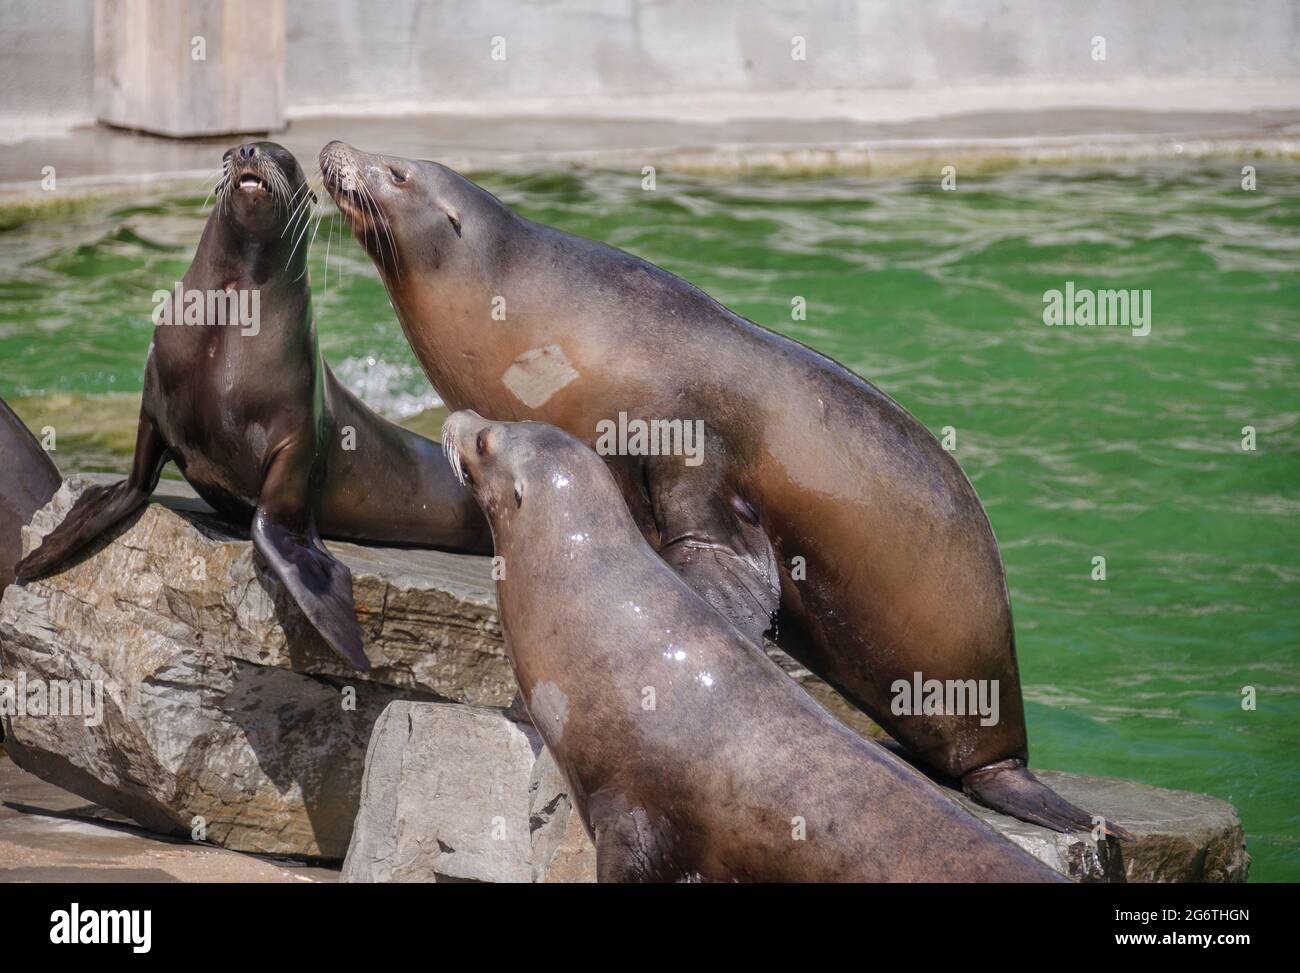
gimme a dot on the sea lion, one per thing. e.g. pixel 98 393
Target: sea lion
pixel 257 422
pixel 817 494
pixel 28 479
pixel 689 753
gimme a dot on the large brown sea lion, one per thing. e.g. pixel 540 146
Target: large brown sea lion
pixel 28 479
pixel 257 422
pixel 689 753
pixel 815 493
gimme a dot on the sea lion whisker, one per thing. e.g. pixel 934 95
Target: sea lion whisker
pixel 300 208
pixel 223 201
pixel 221 189
pixel 303 205
pixel 385 224
pixel 301 233
pixel 368 223
pixel 311 240
pixel 453 456
pixel 291 224
pixel 329 238
pixel 381 223
pixel 307 254
pixel 374 229
pixel 280 191
pixel 293 197
pixel 213 187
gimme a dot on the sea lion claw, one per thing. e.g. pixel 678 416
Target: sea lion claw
pixel 321 585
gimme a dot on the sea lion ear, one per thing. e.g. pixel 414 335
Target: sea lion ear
pixel 519 493
pixel 454 217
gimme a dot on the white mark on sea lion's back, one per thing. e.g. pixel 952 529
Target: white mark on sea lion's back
pixel 549 708
pixel 536 375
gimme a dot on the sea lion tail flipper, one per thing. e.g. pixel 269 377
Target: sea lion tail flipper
pixel 100 507
pixel 321 585
pixel 1008 787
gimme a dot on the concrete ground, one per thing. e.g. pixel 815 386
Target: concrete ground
pixel 50 835
pixel 92 158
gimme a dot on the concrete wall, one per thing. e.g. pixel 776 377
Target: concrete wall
pixel 404 54
pixel 440 49
pixel 47 61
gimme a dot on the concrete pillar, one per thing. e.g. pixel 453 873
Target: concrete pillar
pixel 190 67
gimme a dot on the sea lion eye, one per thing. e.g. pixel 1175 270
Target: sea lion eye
pixel 397 176
pixel 481 442
pixel 519 494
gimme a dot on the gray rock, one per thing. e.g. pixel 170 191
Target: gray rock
pixel 574 859
pixel 456 793
pixel 223 710
pixel 1179 836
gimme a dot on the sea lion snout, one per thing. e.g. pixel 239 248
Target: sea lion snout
pixel 466 443
pixel 262 189
pixel 352 174
pixel 364 187
pixel 337 160
pixel 247 175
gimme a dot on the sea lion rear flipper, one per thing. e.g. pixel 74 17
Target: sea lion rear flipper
pixel 100 507
pixel 321 585
pixel 284 533
pixel 721 551
pixel 1009 787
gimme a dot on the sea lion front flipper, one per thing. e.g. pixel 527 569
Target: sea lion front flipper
pixel 28 479
pixel 1009 787
pixel 100 507
pixel 719 548
pixel 628 847
pixel 284 533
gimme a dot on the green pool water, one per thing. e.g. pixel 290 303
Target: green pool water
pixel 1082 442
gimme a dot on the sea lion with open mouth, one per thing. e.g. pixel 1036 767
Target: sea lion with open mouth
pixel 28 479
pixel 816 494
pixel 689 753
pixel 257 422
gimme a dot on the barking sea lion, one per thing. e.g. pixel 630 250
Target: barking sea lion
pixel 257 422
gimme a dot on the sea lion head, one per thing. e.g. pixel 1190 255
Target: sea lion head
pixel 534 477
pixel 263 194
pixel 414 218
